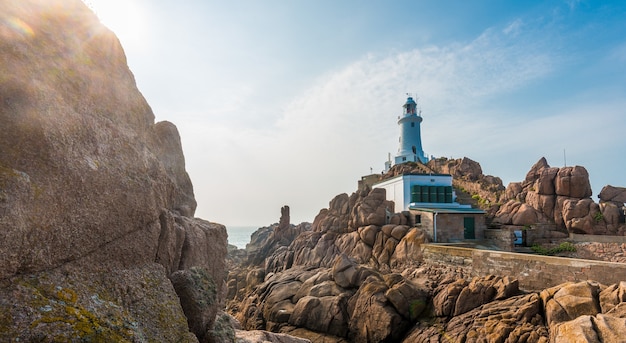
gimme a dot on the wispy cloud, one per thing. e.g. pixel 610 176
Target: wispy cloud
pixel 513 28
pixel 331 134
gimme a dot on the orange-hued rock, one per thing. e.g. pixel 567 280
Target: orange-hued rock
pixel 615 194
pixel 562 196
pixel 572 182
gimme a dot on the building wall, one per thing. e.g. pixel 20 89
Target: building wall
pixel 534 272
pixel 503 239
pixel 450 226
pixel 368 181
pixel 410 136
pixel 398 189
pixel 426 223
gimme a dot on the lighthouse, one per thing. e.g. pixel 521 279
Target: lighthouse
pixel 410 149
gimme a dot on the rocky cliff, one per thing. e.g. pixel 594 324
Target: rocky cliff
pixel 562 196
pixel 353 277
pixel 96 209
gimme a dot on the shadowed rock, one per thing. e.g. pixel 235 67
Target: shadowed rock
pixel 89 183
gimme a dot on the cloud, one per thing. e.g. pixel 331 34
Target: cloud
pixel 513 28
pixel 572 4
pixel 327 137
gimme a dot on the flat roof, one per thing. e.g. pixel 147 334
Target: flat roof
pixel 411 174
pixel 448 210
pixel 431 174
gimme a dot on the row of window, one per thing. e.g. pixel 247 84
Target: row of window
pixel 432 194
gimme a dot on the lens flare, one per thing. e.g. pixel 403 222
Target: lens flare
pixel 21 27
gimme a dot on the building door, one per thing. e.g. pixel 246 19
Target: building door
pixel 469 225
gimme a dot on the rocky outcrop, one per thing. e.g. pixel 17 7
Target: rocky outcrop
pixel 341 283
pixel 613 194
pixel 198 295
pixel 562 196
pixel 268 240
pixel 585 312
pixel 347 301
pixel 486 191
pixel 354 303
pixel 96 207
pixel 365 236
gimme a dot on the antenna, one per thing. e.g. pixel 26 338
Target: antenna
pixel 564 159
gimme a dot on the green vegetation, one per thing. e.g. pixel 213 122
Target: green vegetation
pixel 480 200
pixel 563 247
pixel 598 217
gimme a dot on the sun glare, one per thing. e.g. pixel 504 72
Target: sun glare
pixel 126 18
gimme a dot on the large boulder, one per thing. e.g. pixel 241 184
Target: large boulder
pixel 614 194
pixel 535 171
pixel 513 190
pixel 525 215
pixel 198 297
pixel 573 182
pixel 459 297
pixel 90 184
pixel 612 296
pixel 445 300
pixel 545 182
pixel 69 305
pixel 335 217
pixel 562 196
pixel 326 314
pixel 544 204
pixel 371 209
pixel 372 317
pixel 408 251
pixel 570 300
pixel 515 319
pixel 600 328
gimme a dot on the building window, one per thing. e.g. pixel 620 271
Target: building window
pixel 412 124
pixel 418 219
pixel 403 158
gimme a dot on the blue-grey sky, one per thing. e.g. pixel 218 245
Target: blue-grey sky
pixel 291 102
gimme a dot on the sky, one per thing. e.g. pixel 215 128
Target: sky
pixel 292 102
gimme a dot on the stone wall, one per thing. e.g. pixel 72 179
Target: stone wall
pixel 596 238
pixel 450 226
pixel 503 239
pixel 534 272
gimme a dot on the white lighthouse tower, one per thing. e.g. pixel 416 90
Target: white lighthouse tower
pixel 410 149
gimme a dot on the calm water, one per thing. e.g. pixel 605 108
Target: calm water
pixel 240 235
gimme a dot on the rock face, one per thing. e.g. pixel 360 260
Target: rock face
pixel 614 194
pixel 90 187
pixel 347 300
pixel 485 190
pixel 562 196
pixel 354 278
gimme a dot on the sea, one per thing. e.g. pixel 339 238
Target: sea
pixel 239 236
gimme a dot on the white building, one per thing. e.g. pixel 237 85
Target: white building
pixel 431 202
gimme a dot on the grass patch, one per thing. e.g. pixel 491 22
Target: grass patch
pixel 563 247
